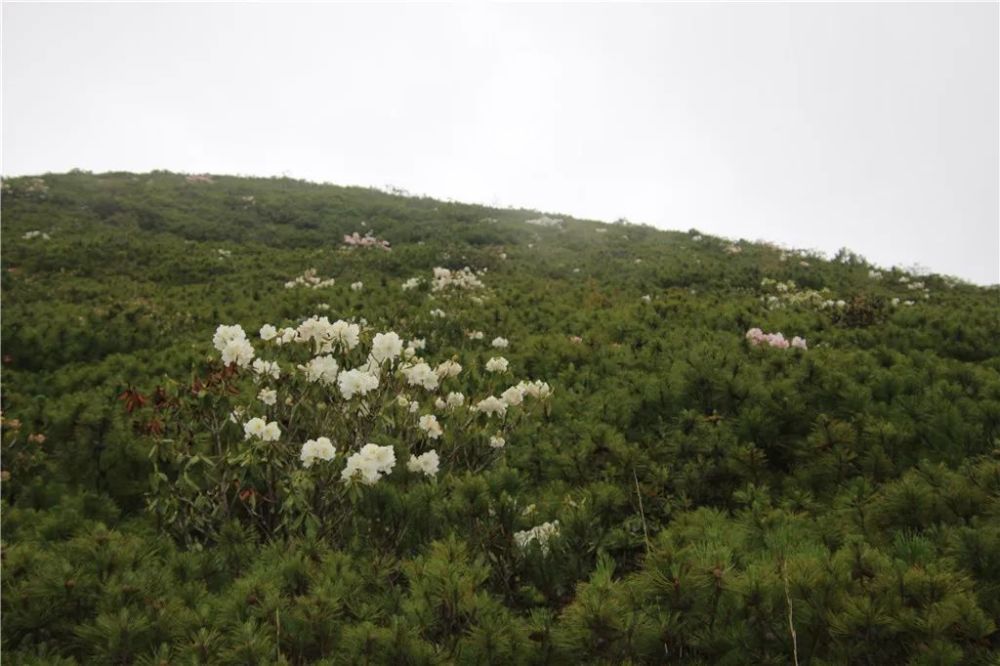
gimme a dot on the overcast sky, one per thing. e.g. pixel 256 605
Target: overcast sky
pixel 871 126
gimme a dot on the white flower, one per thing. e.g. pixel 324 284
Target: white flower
pixel 460 279
pixel 497 441
pixel 491 406
pixel 412 283
pixel 427 463
pixel 421 375
pixel 345 334
pixel 262 368
pixel 239 352
pixel 541 533
pixel 500 343
pixel 513 396
pixel 286 335
pixel 536 389
pixel 438 313
pixel 476 335
pixel 440 404
pixel 497 364
pixel 254 428
pixel 386 347
pixel 448 369
pixel 369 464
pixel 272 432
pixel 430 425
pixel 646 297
pixel 356 381
pixel 799 343
pixel 268 396
pixel 268 332
pixel 417 343
pixel 357 286
pixel 317 449
pixel 226 334
pixel 321 369
pixel 414 407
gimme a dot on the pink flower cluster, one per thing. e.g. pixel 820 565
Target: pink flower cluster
pixel 758 337
pixel 355 240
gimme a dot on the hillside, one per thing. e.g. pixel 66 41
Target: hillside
pixel 650 479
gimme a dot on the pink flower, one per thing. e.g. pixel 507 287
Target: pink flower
pixel 757 337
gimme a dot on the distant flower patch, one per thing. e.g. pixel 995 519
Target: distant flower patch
pixel 757 338
pixel 368 240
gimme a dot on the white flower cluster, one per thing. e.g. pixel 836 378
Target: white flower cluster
pixel 788 293
pixel 421 374
pixel 257 428
pixel 386 347
pixel 356 382
pixel 322 369
pixel 232 342
pixel 542 534
pixel 28 235
pixel 388 364
pixel 369 464
pixel 429 424
pixel 368 240
pixel 310 280
pixel 412 283
pixel 320 448
pixel 326 336
pixel 512 397
pixel 491 406
pixel 454 400
pixel 459 279
pixel 426 463
pixel 357 286
pixel 448 369
pixel 500 343
pixel 544 221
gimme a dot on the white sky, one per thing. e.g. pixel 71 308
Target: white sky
pixel 873 126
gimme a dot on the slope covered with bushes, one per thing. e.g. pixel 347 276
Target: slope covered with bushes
pixel 601 443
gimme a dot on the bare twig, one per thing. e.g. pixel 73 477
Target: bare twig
pixel 642 513
pixel 791 619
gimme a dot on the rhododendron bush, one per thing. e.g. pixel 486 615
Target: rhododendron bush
pixel 287 443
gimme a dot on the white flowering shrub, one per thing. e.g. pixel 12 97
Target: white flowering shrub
pixel 290 429
pixel 310 280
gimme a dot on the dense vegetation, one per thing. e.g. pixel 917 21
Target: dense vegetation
pixel 718 501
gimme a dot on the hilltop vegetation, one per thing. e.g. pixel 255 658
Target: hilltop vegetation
pixel 649 484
